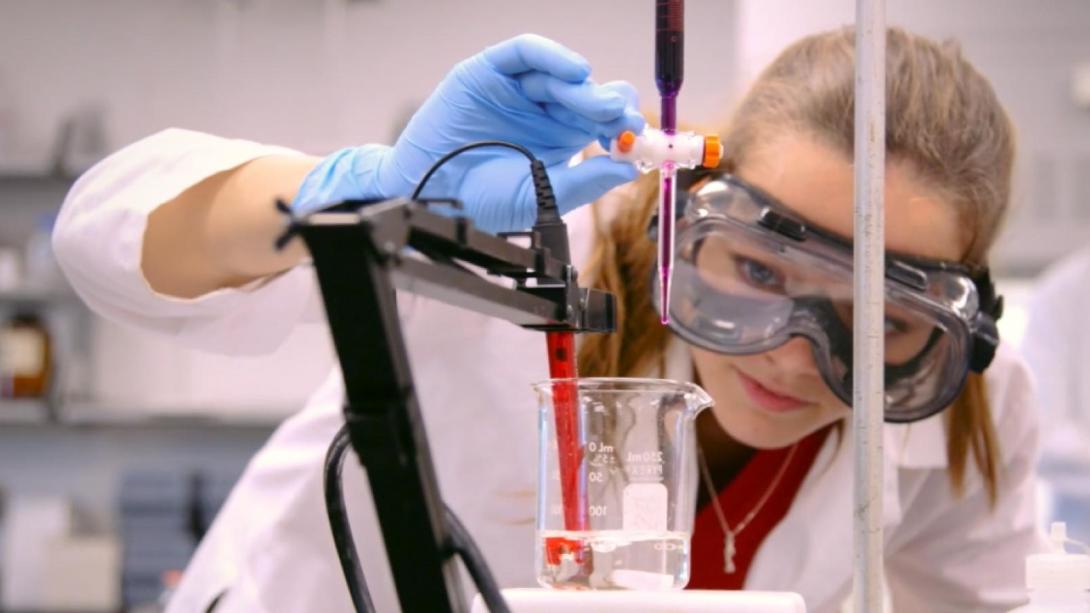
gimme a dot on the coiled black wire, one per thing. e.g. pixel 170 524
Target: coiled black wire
pixel 339 524
pixel 460 543
pixel 474 562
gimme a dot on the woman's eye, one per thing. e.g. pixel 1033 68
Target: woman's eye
pixel 758 275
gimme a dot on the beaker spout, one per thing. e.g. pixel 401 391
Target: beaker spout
pixel 697 399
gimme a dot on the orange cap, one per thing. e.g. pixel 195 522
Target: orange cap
pixel 713 151
pixel 625 141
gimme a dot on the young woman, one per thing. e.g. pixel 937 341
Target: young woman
pixel 173 234
pixel 762 319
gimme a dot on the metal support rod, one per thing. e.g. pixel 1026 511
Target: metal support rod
pixel 868 385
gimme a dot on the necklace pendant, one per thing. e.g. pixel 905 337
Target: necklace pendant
pixel 728 553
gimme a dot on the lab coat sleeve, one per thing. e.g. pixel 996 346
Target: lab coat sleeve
pixel 1048 352
pixel 99 235
pixel 964 555
pixel 1054 345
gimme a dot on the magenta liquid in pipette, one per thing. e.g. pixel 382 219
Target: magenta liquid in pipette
pixel 669 48
pixel 666 237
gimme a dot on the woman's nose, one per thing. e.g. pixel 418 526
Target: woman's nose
pixel 795 356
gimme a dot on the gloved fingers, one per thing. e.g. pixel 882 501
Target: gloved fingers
pixel 537 88
pixel 632 120
pixel 589 180
pixel 571 119
pixel 586 99
pixel 603 131
pixel 530 52
pixel 625 90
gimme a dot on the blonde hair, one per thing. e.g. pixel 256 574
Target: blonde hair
pixel 943 120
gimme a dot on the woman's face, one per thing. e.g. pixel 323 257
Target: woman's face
pixel 773 399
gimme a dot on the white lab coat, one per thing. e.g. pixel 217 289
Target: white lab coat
pixel 1056 344
pixel 271 549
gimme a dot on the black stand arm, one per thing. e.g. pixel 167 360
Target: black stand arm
pixel 361 254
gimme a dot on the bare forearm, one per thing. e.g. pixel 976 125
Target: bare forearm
pixel 220 232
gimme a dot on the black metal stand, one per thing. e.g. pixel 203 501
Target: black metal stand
pixel 361 255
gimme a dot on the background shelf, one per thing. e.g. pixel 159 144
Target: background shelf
pixel 38 298
pixel 39 413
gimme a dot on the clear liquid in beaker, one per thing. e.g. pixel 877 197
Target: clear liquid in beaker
pixel 614 559
pixel 616 482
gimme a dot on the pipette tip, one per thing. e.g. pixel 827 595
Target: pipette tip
pixel 664 295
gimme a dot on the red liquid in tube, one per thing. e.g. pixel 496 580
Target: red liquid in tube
pixel 561 346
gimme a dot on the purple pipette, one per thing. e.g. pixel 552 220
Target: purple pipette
pixel 669 47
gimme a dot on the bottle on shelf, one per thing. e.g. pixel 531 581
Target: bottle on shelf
pixel 25 357
pixel 11 271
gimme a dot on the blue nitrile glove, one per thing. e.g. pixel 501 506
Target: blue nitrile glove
pixel 528 90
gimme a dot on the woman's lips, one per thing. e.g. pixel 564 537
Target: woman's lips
pixel 768 399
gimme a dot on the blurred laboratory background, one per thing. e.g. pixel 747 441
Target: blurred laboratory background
pixel 117 448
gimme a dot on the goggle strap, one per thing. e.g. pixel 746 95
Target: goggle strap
pixel 985 342
pixel 985 332
pixel 990 302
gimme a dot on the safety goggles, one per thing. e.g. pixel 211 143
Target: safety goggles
pixel 749 276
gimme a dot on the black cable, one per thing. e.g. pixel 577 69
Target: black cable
pixel 339 524
pixel 460 150
pixel 548 225
pixel 460 539
pixel 551 230
pixel 463 544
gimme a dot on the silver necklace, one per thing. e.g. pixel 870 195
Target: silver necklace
pixel 729 535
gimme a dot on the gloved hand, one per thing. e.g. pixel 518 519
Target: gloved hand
pixel 528 90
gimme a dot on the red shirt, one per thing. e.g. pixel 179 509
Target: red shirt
pixel 737 500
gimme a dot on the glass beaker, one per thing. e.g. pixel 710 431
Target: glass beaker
pixel 617 482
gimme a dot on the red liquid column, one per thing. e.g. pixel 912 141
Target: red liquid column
pixel 561 347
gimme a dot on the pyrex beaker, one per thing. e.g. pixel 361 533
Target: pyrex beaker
pixel 617 482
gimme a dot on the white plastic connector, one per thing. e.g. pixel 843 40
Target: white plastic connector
pixel 1058 570
pixel 652 148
